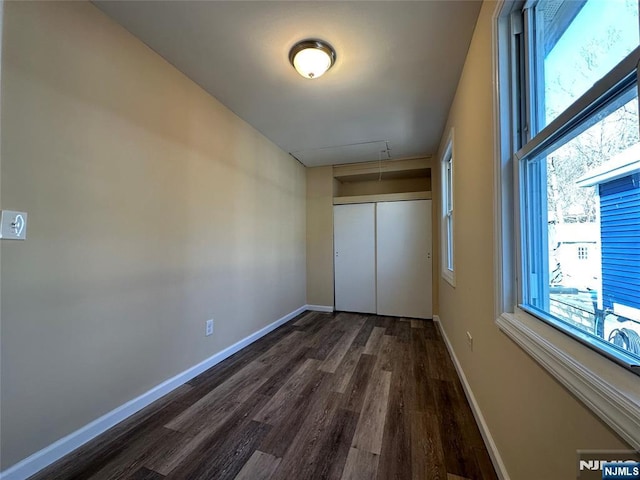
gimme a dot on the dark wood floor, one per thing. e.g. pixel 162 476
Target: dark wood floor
pixel 325 396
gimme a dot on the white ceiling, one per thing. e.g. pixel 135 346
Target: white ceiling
pixel 395 75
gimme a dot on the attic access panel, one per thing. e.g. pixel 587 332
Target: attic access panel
pixel 339 155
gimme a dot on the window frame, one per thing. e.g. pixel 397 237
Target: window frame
pixel 612 87
pixel 611 391
pixel 447 219
pixel 574 118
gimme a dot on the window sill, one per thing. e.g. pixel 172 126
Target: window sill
pixel 609 390
pixel 449 277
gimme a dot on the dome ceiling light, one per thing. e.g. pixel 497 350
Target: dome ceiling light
pixel 312 58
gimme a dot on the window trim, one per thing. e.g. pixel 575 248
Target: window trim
pixel 606 388
pixel 447 217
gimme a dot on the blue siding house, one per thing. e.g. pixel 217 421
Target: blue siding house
pixel 618 186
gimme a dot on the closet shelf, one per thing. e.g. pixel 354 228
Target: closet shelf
pixel 384 197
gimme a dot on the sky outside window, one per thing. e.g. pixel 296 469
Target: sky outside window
pixel 602 34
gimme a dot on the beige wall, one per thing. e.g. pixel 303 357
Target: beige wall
pixel 536 423
pixel 320 191
pixel 397 185
pixel 151 208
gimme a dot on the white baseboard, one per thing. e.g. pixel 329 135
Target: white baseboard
pixel 320 308
pixel 496 459
pixel 48 455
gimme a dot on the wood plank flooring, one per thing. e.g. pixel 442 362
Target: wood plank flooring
pixel 325 396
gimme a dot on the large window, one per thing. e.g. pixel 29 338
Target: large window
pixel 447 261
pixel 576 146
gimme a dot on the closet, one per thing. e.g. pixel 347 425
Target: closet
pixel 383 259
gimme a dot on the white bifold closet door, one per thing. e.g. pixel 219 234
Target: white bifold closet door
pixel 355 257
pixel 403 255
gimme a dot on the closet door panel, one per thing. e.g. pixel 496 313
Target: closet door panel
pixel 355 257
pixel 404 259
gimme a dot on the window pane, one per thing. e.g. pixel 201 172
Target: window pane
pixel 450 243
pixel 449 187
pixel 578 42
pixel 583 227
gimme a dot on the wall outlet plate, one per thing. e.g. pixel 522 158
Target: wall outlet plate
pixel 209 328
pixel 13 225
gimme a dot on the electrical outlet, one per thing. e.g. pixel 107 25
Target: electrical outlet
pixel 470 340
pixel 13 225
pixel 209 328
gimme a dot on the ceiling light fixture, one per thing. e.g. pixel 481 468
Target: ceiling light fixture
pixel 312 58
